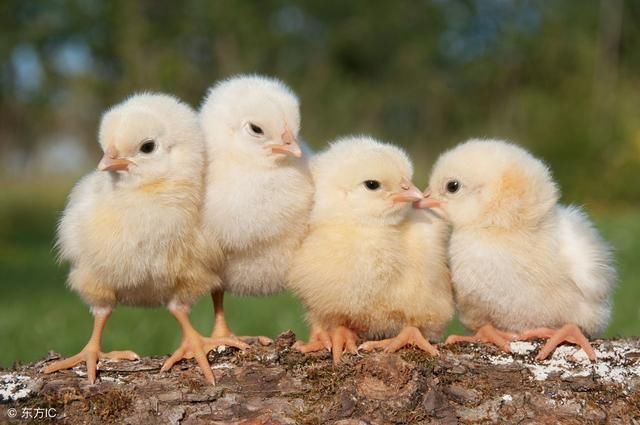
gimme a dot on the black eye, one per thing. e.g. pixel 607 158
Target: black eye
pixel 148 147
pixel 453 186
pixel 372 184
pixel 256 129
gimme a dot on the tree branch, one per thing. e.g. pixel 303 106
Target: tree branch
pixel 278 385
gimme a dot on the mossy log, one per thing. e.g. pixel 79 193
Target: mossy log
pixel 468 383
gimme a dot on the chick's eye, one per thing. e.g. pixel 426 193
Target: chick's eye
pixel 256 129
pixel 372 184
pixel 148 146
pixel 453 186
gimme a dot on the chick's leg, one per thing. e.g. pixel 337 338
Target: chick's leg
pixel 568 333
pixel 410 335
pixel 91 353
pixel 195 345
pixel 487 334
pixel 341 339
pixel 220 327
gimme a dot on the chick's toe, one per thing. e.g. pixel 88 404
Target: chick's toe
pixel 568 333
pixel 408 336
pixel 338 340
pixel 487 335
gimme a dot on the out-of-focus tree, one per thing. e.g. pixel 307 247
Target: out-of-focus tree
pixel 559 77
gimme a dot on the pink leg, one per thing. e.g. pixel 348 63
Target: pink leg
pixel 220 327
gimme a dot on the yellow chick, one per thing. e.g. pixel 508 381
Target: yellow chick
pixel 520 262
pixel 371 266
pixel 131 229
pixel 259 190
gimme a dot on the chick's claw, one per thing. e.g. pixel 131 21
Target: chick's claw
pixel 310 347
pixel 90 355
pixel 487 334
pixel 318 339
pixel 338 340
pixel 343 339
pixel 241 342
pixel 195 345
pixel 324 339
pixel 221 329
pixel 210 344
pixel 568 333
pixel 408 336
pixel 244 341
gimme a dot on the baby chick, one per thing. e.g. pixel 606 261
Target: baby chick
pixel 259 190
pixel 371 266
pixel 131 229
pixel 520 262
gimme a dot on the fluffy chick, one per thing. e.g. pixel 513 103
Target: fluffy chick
pixel 131 229
pixel 371 266
pixel 520 262
pixel 259 190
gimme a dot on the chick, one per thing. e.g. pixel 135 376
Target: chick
pixel 131 229
pixel 259 190
pixel 371 266
pixel 520 262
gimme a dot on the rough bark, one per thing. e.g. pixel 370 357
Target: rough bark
pixel 277 385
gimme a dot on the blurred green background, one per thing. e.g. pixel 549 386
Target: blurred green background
pixel 561 78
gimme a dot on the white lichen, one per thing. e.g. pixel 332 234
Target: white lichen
pixel 268 358
pixel 225 365
pixel 500 360
pixel 522 347
pixel 112 379
pixel 568 361
pixel 14 387
pixel 507 398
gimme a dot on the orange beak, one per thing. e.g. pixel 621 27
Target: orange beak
pixel 289 145
pixel 408 192
pixel 111 162
pixel 428 201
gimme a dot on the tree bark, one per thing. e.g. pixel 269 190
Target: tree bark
pixel 468 383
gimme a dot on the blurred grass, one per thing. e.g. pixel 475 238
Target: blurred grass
pixel 38 313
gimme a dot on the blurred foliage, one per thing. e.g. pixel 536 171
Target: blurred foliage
pixel 560 77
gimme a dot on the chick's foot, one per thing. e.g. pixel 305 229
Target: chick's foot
pixel 568 333
pixel 410 335
pixel 221 329
pixel 340 338
pixel 195 345
pixel 239 341
pixel 90 355
pixel 318 339
pixel 487 334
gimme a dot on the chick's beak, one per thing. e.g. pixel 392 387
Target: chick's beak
pixel 428 201
pixel 111 162
pixel 289 145
pixel 408 192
